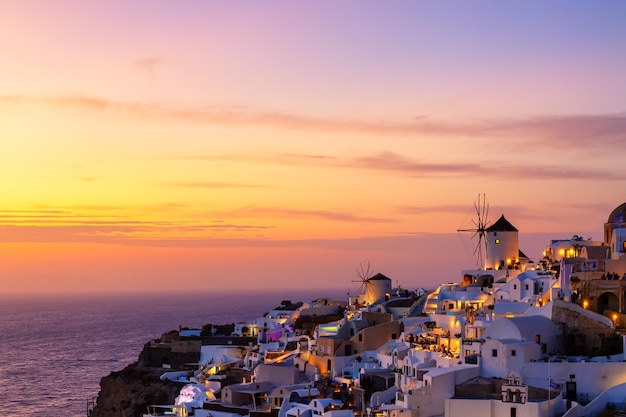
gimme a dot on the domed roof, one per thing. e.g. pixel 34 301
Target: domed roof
pixel 619 209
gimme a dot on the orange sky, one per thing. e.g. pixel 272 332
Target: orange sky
pixel 211 145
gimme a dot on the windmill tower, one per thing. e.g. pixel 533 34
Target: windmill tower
pixel 503 249
pixel 479 230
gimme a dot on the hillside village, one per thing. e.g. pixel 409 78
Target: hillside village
pixel 514 338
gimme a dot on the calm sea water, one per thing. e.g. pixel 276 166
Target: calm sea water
pixel 55 349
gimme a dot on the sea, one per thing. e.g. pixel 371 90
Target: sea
pixel 54 349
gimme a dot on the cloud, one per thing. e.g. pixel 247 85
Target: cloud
pixel 509 169
pixel 389 161
pixel 209 229
pixel 552 172
pixel 505 169
pixel 66 226
pixel 310 157
pixel 438 209
pixel 121 232
pixel 149 64
pixel 208 184
pixel 564 132
pixel 343 216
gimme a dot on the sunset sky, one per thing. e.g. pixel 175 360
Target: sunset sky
pixel 206 145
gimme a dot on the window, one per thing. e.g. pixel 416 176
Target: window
pixel 497 241
pixel 514 286
pixel 526 287
pixel 513 412
pixel 451 306
pixel 538 338
pixel 494 353
pixel 513 352
pixel 360 337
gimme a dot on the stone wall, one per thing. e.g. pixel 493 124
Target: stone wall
pixel 584 332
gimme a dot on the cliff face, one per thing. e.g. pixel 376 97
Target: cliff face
pixel 584 332
pixel 127 393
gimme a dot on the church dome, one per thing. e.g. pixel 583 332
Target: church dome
pixel 619 209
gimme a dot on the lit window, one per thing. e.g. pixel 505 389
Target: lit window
pixel 497 241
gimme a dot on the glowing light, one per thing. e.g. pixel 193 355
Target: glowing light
pixel 585 304
pixel 562 252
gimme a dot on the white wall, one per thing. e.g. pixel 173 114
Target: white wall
pixel 505 363
pixel 441 386
pixel 493 366
pixel 497 408
pixel 591 377
pixel 615 395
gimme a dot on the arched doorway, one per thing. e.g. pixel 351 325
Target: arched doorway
pixel 608 301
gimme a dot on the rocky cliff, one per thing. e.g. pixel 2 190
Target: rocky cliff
pixel 585 332
pixel 127 393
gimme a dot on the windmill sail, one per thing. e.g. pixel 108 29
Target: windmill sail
pixel 479 230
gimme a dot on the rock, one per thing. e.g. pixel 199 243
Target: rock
pixel 129 392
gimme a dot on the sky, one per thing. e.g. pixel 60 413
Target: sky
pixel 151 145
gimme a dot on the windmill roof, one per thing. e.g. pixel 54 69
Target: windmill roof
pixel 379 277
pixel 502 225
